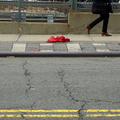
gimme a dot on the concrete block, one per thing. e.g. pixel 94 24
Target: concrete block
pixel 9 27
pixel 76 25
pixel 44 28
pixel 78 20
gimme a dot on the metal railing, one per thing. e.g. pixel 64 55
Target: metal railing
pixel 44 10
pixel 24 10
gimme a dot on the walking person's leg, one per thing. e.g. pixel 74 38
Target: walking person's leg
pixel 105 25
pixel 105 18
pixel 95 22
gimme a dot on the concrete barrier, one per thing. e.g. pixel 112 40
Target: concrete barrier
pixel 9 28
pixel 78 20
pixel 75 25
pixel 33 28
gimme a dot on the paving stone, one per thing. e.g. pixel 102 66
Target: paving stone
pixel 60 47
pixel 6 46
pixel 46 51
pixel 32 46
pixel 88 50
pixel 46 46
pixel 86 47
pixel 19 47
pixel 102 50
pixel 60 50
pixel 73 47
pixel 113 46
pixel 101 47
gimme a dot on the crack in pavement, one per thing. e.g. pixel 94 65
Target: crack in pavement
pixel 28 76
pixel 81 116
pixel 18 37
pixel 31 107
pixel 61 74
pixel 22 115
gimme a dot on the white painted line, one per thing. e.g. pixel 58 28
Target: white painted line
pixel 102 50
pixel 46 44
pixel 18 47
pixel 75 47
pixel 46 50
pixel 99 44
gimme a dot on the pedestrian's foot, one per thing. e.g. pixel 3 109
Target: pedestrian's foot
pixel 106 34
pixel 88 29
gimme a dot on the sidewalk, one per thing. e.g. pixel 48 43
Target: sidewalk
pixel 79 45
pixel 73 37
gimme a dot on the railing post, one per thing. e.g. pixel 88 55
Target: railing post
pixel 19 10
pixel 74 5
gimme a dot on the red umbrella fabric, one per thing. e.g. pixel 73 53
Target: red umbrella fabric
pixel 58 39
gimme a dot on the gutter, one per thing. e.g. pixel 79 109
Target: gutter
pixel 57 54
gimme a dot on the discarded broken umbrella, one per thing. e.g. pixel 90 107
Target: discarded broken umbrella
pixel 58 39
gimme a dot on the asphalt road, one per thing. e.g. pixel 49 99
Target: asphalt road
pixel 59 88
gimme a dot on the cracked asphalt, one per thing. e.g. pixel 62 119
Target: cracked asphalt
pixel 59 88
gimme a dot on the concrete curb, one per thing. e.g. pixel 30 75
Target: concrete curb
pixel 68 54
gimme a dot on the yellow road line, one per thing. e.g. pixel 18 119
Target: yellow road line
pixel 46 115
pixel 38 110
pixel 51 115
pixel 63 110
pixel 88 113
pixel 103 115
pixel 102 110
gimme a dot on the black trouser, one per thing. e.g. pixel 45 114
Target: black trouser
pixel 105 18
